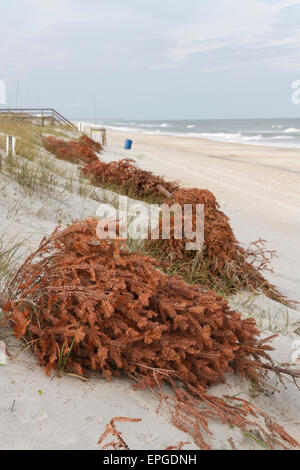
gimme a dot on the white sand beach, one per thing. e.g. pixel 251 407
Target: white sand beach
pixel 259 188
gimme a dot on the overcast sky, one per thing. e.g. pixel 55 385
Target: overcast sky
pixel 147 59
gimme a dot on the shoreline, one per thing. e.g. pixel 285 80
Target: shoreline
pixel 284 136
pixel 199 138
pixel 217 146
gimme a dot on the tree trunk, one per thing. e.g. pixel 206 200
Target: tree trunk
pixel 3 299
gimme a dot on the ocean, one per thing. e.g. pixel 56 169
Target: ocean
pixel 270 132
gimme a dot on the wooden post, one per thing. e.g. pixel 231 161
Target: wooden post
pixel 103 137
pixel 81 127
pixel 8 141
pixel 13 145
pixel 10 145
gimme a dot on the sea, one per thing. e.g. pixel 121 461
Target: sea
pixel 269 132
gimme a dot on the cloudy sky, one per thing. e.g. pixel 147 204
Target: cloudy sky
pixel 147 59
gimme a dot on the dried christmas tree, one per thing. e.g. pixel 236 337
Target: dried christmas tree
pixel 126 178
pixel 90 305
pixel 75 151
pixel 222 263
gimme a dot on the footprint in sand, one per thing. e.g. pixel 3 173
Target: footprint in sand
pixel 33 416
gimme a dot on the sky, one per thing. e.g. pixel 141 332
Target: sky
pixel 152 59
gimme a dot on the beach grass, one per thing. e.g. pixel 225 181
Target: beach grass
pixel 36 170
pixel 32 178
pixel 30 131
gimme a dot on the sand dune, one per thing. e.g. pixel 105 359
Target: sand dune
pixel 259 189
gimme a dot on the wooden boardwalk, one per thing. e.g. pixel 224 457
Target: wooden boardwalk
pixel 44 114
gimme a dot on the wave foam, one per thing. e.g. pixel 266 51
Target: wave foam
pixel 291 129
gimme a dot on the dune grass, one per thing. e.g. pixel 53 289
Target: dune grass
pixel 9 257
pixel 9 249
pixel 29 131
pixel 36 170
pixel 32 178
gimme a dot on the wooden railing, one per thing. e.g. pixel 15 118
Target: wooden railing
pixel 37 113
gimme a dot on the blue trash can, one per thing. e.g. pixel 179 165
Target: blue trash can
pixel 128 144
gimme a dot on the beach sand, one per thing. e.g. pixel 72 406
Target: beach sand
pixel 259 189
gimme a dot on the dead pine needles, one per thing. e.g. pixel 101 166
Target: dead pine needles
pixel 91 305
